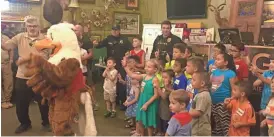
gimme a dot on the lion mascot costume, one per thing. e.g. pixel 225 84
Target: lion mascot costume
pixel 60 82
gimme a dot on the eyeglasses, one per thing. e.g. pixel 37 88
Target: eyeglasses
pixel 32 26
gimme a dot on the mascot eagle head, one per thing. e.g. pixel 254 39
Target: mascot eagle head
pixel 63 42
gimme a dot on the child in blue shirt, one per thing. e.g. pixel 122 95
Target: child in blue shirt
pixel 222 80
pixel 265 79
pixel 194 64
pixel 180 80
pixel 219 48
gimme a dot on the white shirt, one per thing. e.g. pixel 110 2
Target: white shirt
pixel 83 53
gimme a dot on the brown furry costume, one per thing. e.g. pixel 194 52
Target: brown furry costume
pixel 61 86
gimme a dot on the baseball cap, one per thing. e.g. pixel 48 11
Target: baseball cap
pixel 116 27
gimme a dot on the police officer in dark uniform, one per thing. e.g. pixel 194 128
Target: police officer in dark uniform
pixel 163 44
pixel 117 46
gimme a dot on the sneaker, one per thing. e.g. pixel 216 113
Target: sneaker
pixel 96 107
pixel 113 114
pixel 22 128
pixel 46 128
pixel 107 114
pixel 5 105
pixel 9 104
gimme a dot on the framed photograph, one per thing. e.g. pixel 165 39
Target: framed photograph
pixel 132 4
pixel 129 22
pixel 268 12
pixel 95 37
pixel 87 1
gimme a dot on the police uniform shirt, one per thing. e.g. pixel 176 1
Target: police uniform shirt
pixel 116 47
pixel 165 45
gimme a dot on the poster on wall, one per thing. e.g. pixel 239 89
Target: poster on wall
pixel 129 22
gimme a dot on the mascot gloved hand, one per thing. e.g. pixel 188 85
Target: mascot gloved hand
pixel 60 82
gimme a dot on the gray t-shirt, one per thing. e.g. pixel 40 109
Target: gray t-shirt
pixel 164 112
pixel 201 125
pixel 177 128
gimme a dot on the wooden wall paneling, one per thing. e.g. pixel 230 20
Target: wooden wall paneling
pixel 247 17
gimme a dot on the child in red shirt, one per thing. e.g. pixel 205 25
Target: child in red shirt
pixel 241 66
pixel 242 112
pixel 137 42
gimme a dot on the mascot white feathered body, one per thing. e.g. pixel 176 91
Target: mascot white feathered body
pixel 61 83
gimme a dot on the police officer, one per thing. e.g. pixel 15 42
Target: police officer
pixel 117 46
pixel 163 44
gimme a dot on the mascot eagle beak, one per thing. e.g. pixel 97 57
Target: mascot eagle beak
pixel 48 44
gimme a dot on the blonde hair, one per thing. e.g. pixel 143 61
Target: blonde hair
pixel 155 63
pixel 180 96
pixel 31 20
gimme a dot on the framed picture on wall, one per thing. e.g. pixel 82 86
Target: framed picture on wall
pixel 129 22
pixel 88 1
pixel 132 4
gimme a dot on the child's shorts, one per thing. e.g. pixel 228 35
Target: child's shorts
pixel 110 96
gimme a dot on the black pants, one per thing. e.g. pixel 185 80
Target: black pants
pixel 24 95
pixel 121 88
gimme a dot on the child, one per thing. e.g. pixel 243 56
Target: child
pixel 194 64
pixel 147 103
pixel 137 42
pixel 242 112
pixel 241 66
pixel 110 75
pixel 222 80
pixel 219 48
pixel 180 80
pixel 188 52
pixel 84 61
pixel 131 102
pixel 180 123
pixel 178 52
pixel 164 112
pixel 269 113
pixel 264 79
pixel 201 106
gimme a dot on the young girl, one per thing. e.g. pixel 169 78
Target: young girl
pixel 137 42
pixel 164 112
pixel 219 48
pixel 222 80
pixel 147 104
pixel 131 102
pixel 84 61
pixel 269 112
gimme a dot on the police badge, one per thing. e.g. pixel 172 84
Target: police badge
pixel 168 39
pixel 121 41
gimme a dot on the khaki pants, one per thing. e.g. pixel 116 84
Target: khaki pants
pixel 7 82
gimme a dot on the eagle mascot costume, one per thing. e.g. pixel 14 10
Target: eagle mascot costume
pixel 60 82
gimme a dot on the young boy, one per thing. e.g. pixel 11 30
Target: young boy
pixel 219 48
pixel 110 75
pixel 178 52
pixel 264 79
pixel 241 66
pixel 242 112
pixel 194 64
pixel 180 122
pixel 201 106
pixel 180 80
